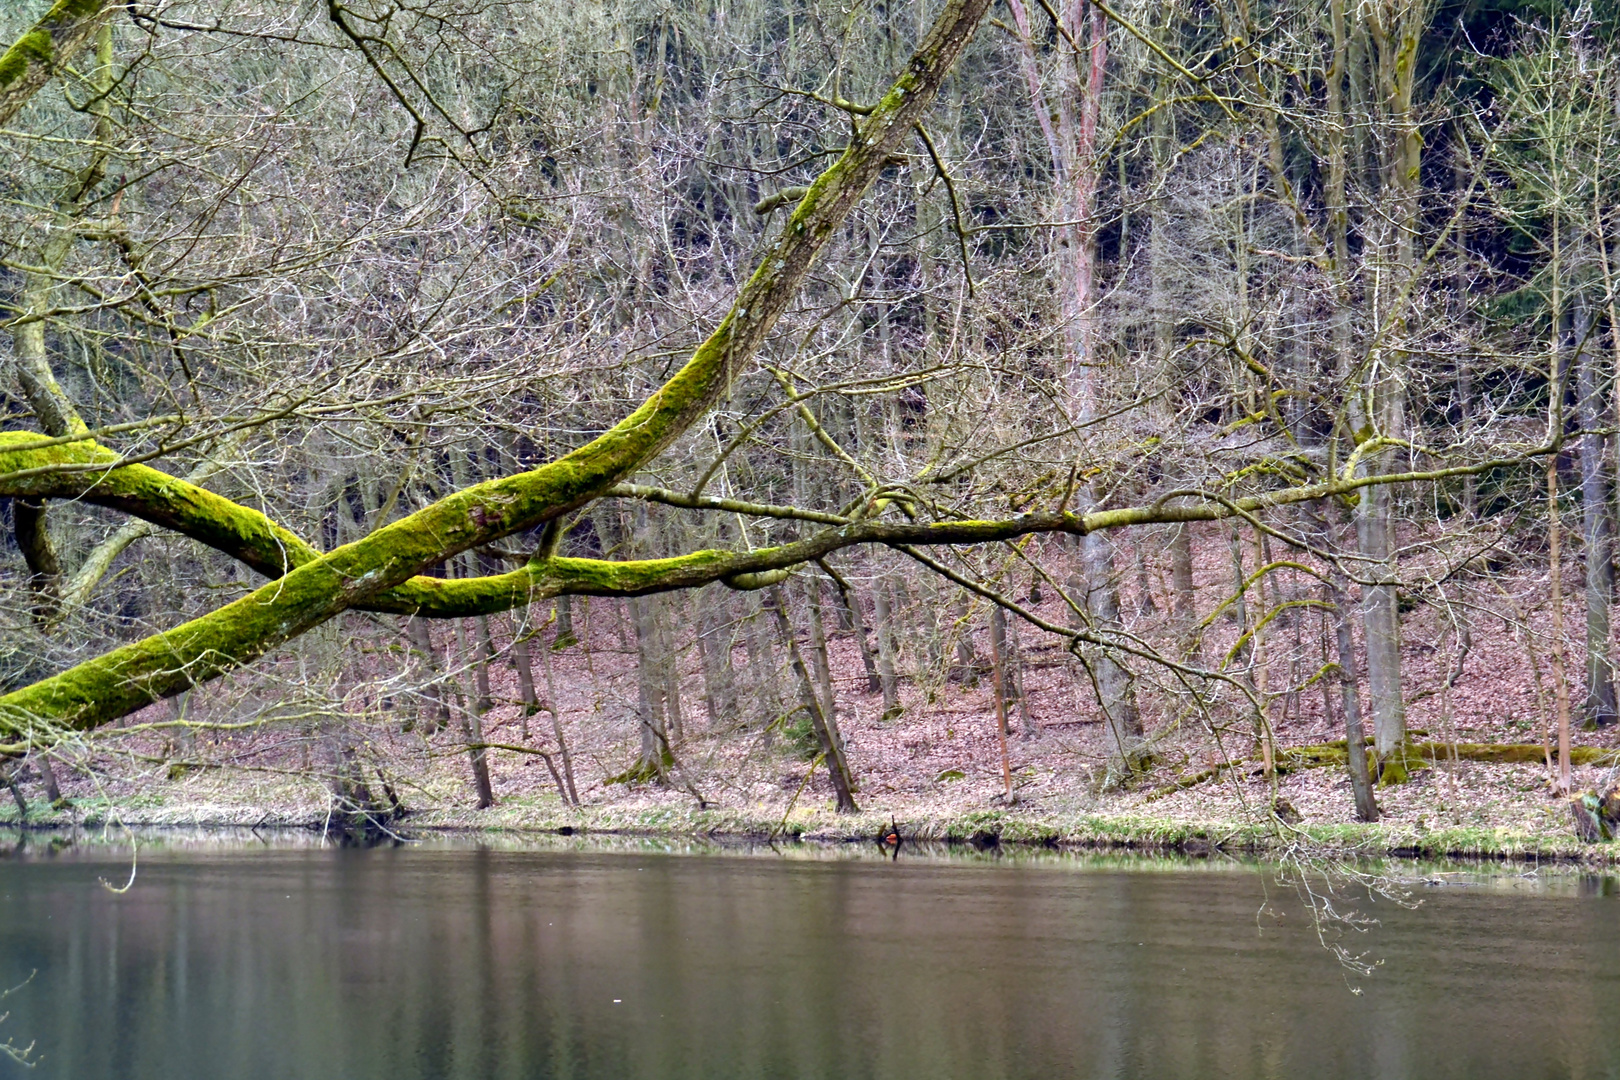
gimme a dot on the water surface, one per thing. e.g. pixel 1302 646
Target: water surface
pixel 453 960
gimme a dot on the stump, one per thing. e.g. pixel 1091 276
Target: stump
pixel 1597 817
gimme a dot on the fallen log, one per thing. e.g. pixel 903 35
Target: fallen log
pixel 1417 755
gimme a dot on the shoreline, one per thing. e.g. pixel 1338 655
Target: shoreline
pixel 984 829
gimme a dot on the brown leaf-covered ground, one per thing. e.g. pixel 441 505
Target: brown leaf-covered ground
pixel 941 760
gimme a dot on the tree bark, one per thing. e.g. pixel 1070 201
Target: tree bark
pixel 818 646
pixel 883 625
pixel 655 758
pixel 1381 619
pixel 1361 780
pixel 1555 575
pixel 762 673
pixel 1597 529
pixel 554 707
pixel 669 666
pixel 472 722
pixel 1113 682
pixel 565 623
pixel 523 663
pixel 54 41
pixel 1015 675
pixel 47 775
pixel 998 678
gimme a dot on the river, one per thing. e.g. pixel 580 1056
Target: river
pixel 453 959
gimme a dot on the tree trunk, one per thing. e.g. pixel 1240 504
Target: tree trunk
pixel 998 656
pixel 1555 575
pixel 554 707
pixel 655 759
pixel 485 653
pixel 47 774
pixel 1015 675
pixel 818 647
pixel 523 661
pixel 472 725
pixel 1145 604
pixel 998 678
pixel 8 778
pixel 1113 682
pixel 565 623
pixel 762 672
pixel 825 727
pixel 849 606
pixel 883 620
pixel 1600 696
pixel 967 661
pixel 669 665
pixel 1354 734
pixel 1181 577
pixel 714 647
pixel 1381 619
pixel 434 712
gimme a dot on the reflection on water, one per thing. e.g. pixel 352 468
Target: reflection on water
pixel 458 960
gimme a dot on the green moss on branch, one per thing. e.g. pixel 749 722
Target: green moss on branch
pixel 59 36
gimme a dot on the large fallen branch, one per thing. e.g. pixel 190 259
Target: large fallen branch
pixel 1416 755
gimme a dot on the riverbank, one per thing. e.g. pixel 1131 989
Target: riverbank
pixel 1256 833
pixel 1479 764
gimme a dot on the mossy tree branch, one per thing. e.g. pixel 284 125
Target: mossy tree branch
pixel 38 468
pixel 56 39
pixel 135 675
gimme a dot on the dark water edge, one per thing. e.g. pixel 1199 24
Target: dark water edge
pixel 278 956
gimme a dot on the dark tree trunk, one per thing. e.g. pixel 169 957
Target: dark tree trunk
pixel 47 775
pixel 10 780
pixel 669 664
pixel 998 656
pixel 1114 682
pixel 998 680
pixel 1181 579
pixel 762 673
pixel 967 661
pixel 523 662
pixel 566 787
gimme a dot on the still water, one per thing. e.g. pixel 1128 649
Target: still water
pixel 447 960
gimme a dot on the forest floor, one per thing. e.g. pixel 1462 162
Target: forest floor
pixel 936 771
